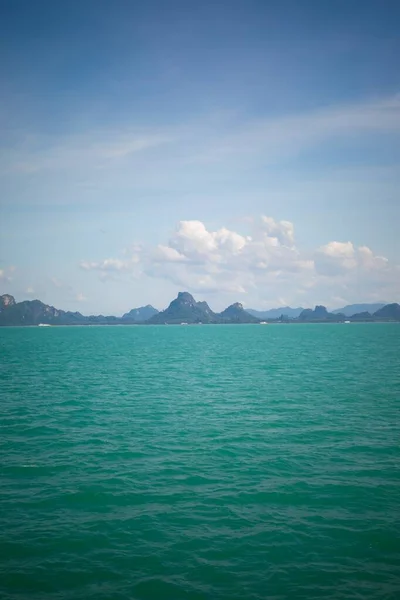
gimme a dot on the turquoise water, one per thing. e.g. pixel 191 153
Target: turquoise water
pixel 204 462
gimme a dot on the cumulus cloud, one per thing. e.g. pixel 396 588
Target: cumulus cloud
pixel 283 231
pixel 231 250
pixel 335 257
pixel 338 258
pixel 369 261
pixel 167 254
pixel 193 241
pixel 197 258
pixel 264 262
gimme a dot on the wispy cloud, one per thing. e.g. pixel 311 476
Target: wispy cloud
pixel 109 267
pixel 149 154
pixel 57 282
pixel 93 150
pixel 289 134
pixel 6 274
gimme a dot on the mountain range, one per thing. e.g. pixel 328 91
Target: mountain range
pixel 140 315
pixel 294 313
pixel 353 309
pixel 185 309
pixel 276 313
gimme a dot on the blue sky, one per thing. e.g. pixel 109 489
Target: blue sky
pixel 245 151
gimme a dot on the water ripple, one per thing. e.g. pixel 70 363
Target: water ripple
pixel 203 463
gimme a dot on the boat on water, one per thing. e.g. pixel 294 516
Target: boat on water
pixel 263 323
pixel 347 321
pixel 44 325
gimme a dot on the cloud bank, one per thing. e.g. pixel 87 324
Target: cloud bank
pixel 263 265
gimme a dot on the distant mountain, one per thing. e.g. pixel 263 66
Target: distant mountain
pixel 352 309
pixel 318 314
pixel 141 314
pixel 6 301
pixel 389 311
pixel 33 312
pixel 275 313
pixel 204 306
pixel 362 316
pixel 294 313
pixel 185 309
pixel 235 313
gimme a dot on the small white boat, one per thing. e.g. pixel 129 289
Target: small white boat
pixel 263 323
pixel 44 325
pixel 347 321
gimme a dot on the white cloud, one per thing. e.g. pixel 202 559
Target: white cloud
pixel 81 297
pixel 230 242
pixel 192 240
pixel 338 249
pixel 167 254
pixel 368 261
pixel 216 252
pixel 283 231
pixel 335 257
pixel 221 260
pixel 264 263
pixel 338 258
pixel 109 265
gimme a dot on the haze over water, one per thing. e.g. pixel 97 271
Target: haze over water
pixel 204 462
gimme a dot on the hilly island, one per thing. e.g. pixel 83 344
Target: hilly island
pixel 184 309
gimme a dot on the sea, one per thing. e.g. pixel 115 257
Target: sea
pixel 213 462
